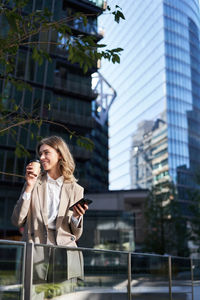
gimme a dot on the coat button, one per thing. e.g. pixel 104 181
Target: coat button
pixel 72 238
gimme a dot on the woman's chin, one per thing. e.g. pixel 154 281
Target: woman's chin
pixel 46 169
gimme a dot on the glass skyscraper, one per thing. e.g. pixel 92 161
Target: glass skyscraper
pixel 61 93
pixel 155 119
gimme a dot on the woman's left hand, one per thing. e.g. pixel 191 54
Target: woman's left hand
pixel 79 210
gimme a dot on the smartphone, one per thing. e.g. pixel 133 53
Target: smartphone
pixel 81 202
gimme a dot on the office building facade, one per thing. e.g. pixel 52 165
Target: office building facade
pixel 61 93
pixel 154 121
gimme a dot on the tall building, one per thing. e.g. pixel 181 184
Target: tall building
pixel 149 158
pixel 154 121
pixel 68 92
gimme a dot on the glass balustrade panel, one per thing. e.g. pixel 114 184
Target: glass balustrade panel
pixel 196 277
pixel 149 276
pixel 78 273
pixel 11 270
pixel 181 278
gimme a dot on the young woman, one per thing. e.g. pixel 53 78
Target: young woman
pixel 43 207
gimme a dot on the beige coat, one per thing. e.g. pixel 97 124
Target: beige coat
pixel 32 214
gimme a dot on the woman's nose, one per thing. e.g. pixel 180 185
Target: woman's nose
pixel 41 156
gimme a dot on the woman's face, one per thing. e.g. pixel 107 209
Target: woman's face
pixel 49 158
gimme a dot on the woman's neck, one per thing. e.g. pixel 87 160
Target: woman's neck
pixel 54 174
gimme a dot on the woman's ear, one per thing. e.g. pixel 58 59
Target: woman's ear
pixel 59 155
pixel 60 158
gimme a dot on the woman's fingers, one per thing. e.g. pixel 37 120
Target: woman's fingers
pixel 29 168
pixel 80 210
pixel 30 171
pixel 85 207
pixel 30 177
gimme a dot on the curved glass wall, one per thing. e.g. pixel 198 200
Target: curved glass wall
pixel 182 71
pixel 154 121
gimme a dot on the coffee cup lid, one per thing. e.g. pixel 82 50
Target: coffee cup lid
pixel 34 160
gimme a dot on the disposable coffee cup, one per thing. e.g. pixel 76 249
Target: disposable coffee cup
pixel 36 167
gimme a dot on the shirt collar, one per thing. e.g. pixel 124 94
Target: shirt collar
pixel 58 181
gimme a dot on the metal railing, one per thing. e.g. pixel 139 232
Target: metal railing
pixel 133 275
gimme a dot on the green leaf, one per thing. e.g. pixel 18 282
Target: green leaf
pixel 9 68
pixel 12 21
pixel 118 15
pixel 19 84
pixel 78 141
pixel 16 107
pixel 46 12
pixel 85 20
pixel 35 53
pixel 117 6
pixel 121 15
pixel 117 49
pixel 20 151
pixel 38 137
pixel 39 123
pixel 85 68
pixel 40 60
pixel 116 58
pixel 101 45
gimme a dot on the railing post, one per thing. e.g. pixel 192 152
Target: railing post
pixel 28 271
pixel 192 277
pixel 23 271
pixel 170 276
pixel 129 276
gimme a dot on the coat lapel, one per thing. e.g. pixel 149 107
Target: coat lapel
pixel 65 200
pixel 42 199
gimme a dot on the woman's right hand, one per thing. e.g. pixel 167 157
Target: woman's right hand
pixel 30 178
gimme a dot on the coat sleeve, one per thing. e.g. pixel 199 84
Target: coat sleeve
pixel 21 209
pixel 77 231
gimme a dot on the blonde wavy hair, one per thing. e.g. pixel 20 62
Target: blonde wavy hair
pixel 66 163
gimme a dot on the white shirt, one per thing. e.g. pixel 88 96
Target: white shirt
pixel 53 200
